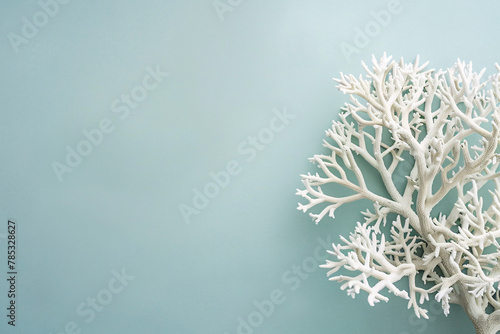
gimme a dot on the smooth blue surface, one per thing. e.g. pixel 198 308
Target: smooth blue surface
pixel 228 78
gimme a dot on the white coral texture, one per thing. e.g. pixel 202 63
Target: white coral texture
pixel 445 123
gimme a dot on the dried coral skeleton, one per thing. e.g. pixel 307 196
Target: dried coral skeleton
pixel 402 112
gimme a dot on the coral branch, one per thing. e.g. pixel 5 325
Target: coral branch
pixel 448 122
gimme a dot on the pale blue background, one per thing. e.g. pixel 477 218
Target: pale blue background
pixel 119 208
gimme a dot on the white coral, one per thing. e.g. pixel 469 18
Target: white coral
pixel 447 121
